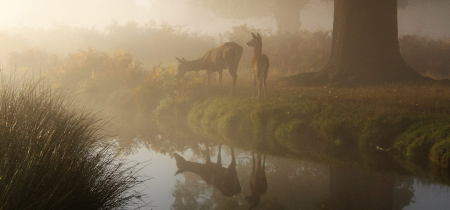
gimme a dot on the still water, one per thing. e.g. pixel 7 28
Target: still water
pixel 289 183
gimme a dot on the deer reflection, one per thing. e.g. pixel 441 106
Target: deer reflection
pixel 223 179
pixel 258 181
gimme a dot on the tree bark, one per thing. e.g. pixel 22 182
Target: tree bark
pixel 365 47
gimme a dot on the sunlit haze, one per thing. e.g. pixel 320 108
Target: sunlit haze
pixel 99 13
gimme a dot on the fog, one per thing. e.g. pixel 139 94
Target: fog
pixel 124 59
pixel 422 17
pixel 99 13
pixel 61 27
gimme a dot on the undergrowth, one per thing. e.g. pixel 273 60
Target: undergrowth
pixel 53 154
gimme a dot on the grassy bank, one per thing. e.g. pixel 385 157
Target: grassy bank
pixel 53 154
pixel 409 121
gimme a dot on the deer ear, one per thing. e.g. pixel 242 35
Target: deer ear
pixel 178 172
pixel 179 60
pixel 259 36
pixel 253 35
pixel 183 59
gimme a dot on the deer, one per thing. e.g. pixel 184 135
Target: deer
pixel 223 179
pixel 260 65
pixel 226 56
pixel 258 181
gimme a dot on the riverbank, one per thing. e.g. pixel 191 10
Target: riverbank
pixel 411 122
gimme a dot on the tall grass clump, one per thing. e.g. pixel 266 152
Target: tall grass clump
pixel 53 154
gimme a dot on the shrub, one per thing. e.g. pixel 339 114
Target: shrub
pixel 427 56
pixel 52 153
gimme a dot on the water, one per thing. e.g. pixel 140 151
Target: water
pixel 291 184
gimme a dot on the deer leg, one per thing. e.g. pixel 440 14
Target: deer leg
pixel 254 85
pixel 259 87
pixel 258 160
pixel 209 78
pixel 208 158
pixel 220 78
pixel 264 163
pixel 233 159
pixel 219 156
pixel 264 86
pixel 253 159
pixel 234 76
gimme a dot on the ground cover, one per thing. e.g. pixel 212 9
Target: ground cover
pixel 407 120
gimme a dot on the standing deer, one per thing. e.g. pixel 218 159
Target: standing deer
pixel 226 56
pixel 258 181
pixel 260 64
pixel 223 179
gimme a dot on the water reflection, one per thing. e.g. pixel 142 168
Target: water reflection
pixel 292 183
pixel 223 179
pixel 352 188
pixel 258 181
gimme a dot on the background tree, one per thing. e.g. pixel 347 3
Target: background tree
pixel 285 12
pixel 365 46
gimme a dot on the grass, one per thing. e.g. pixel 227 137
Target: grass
pixel 53 154
pixel 410 120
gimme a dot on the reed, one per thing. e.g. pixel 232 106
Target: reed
pixel 53 154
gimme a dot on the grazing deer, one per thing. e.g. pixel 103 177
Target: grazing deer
pixel 226 56
pixel 258 181
pixel 260 64
pixel 223 179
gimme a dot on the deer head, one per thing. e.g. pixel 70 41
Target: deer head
pixel 183 67
pixel 256 42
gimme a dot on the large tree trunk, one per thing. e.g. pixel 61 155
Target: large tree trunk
pixel 365 47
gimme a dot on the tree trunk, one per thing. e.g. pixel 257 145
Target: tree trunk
pixel 365 47
pixel 287 17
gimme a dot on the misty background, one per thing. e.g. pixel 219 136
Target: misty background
pixel 155 31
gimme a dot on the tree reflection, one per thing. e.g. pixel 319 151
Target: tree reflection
pixel 295 184
pixel 352 188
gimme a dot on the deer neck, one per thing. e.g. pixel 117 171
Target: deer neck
pixel 257 51
pixel 198 64
pixel 196 168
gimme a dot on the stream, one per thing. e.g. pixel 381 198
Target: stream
pixel 290 183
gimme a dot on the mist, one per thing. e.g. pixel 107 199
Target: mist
pixel 376 107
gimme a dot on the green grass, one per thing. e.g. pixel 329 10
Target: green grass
pixel 346 123
pixel 53 154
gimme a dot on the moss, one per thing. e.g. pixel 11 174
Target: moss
pixel 416 142
pixel 383 129
pixel 440 153
pixel 296 135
